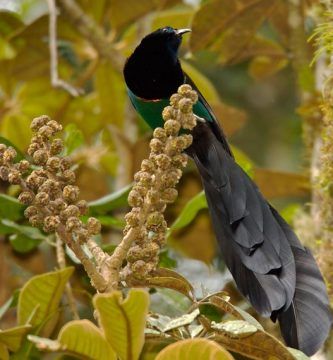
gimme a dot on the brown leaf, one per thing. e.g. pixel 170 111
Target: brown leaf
pixel 230 32
pixel 230 118
pixel 279 18
pixel 125 12
pixel 275 184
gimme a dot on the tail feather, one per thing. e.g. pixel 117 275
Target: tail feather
pixel 307 322
pixel 271 268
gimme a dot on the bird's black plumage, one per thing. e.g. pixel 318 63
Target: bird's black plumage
pixel 271 268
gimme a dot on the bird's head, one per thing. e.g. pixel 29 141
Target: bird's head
pixel 166 38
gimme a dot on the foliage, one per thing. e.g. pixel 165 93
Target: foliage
pixel 244 61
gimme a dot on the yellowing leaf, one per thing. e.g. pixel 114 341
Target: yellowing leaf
pixel 123 321
pixel 190 349
pixel 234 27
pixel 111 94
pixel 274 184
pixel 84 338
pixel 13 337
pixel 42 294
pixel 235 328
pixel 4 355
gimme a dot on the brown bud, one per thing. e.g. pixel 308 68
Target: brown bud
pixel 172 127
pixel 132 218
pixel 134 199
pixel 142 190
pixel 94 226
pixel 42 198
pixel 40 157
pixel 38 139
pixel 156 145
pixel 186 91
pixel 33 147
pixel 50 186
pixel 14 177
pixel 147 165
pixel 3 147
pixel 139 269
pixel 30 211
pixel 65 164
pixel 169 179
pixel 185 105
pixel 26 197
pixel 68 176
pixel 73 223
pixel 163 161
pixel 9 154
pixel 168 113
pixel 51 223
pixel 45 131
pixel 169 195
pixel 160 134
pixel 135 253
pixel 58 205
pixel 82 206
pixel 4 172
pixel 180 160
pixel 38 122
pixel 54 125
pixel 70 193
pixel 174 100
pixel 70 211
pixel 154 219
pixel 23 166
pixel 56 147
pixel 82 235
pixel 143 177
pixel 53 164
pixel 153 196
pixel 36 220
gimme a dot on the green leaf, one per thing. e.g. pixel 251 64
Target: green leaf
pixel 110 202
pixel 73 138
pixel 26 10
pixel 13 337
pixel 23 238
pixel 80 338
pixel 123 321
pixel 11 302
pixel 243 161
pixel 190 211
pixel 42 294
pixel 7 52
pixel 189 349
pixel 10 208
pixel 166 261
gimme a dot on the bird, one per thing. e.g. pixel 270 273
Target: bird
pixel 271 268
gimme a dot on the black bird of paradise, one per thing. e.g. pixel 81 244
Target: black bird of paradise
pixel 271 268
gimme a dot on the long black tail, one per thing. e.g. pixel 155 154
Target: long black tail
pixel 271 268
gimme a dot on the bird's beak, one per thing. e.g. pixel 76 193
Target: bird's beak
pixel 180 32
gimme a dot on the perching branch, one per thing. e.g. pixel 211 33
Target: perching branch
pixel 55 80
pixel 53 199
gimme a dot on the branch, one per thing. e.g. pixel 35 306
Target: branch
pixel 92 32
pixel 55 80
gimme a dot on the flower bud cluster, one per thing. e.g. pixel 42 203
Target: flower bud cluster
pixel 48 191
pixel 155 183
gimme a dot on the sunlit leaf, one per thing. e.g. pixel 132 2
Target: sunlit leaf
pixel 230 32
pixel 7 52
pixel 42 294
pixel 243 161
pixel 274 184
pixel 189 349
pixel 13 337
pixel 123 320
pixel 110 202
pixel 298 355
pixel 81 338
